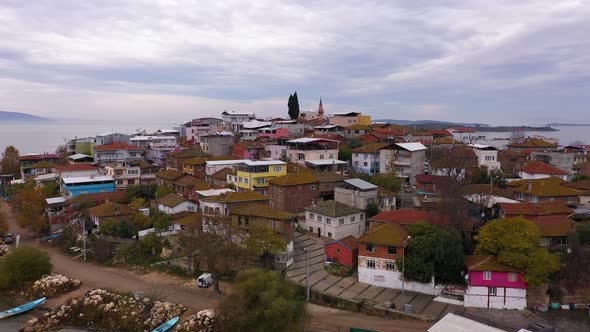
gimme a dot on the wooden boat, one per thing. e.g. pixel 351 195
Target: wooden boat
pixel 166 326
pixel 23 308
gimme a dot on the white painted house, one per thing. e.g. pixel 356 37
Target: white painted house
pixel 172 204
pixel 487 156
pixel 334 220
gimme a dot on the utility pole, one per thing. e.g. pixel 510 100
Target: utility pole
pixel 404 245
pixel 307 290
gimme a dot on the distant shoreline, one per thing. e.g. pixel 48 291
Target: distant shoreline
pixel 569 125
pixel 511 129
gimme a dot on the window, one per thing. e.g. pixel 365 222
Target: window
pixel 337 249
pixel 352 219
pixel 341 221
pixel 493 291
pixel 534 199
pixel 245 180
pixel 301 156
pixel 319 218
pixel 570 200
pixel 330 156
pixel 329 234
pixel 329 221
pixel 512 276
pixel 119 182
pixel 321 156
pixel 559 241
pixel 391 250
pixel 311 216
pixel 520 196
pixel 371 264
pixel 260 180
pixel 356 163
pixel 365 164
pixel 390 265
pixel 490 158
pixel 487 275
pixel 370 247
pixel 311 229
pixel 312 187
pixel 278 168
pixel 362 216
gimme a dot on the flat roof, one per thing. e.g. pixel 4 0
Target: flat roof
pixel 327 126
pixel 147 138
pixel 213 192
pixel 256 124
pixel 413 146
pixel 361 184
pixel 82 179
pixel 79 156
pixel 55 200
pixel 225 162
pixel 320 162
pixel 263 162
pixel 481 146
pixel 310 140
pixel 489 200
pixel 47 176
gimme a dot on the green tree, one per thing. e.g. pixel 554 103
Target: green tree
pixel 433 251
pixel 51 189
pixel 293 106
pixel 388 181
pixel 145 191
pixel 355 143
pixel 583 231
pixel 9 163
pixel 138 203
pixel 264 242
pixel 108 227
pixel 126 229
pixel 62 152
pixel 516 243
pixel 3 223
pixel 29 203
pixel 22 265
pixel 160 220
pixel 162 191
pixel 372 210
pixel 345 153
pixel 262 301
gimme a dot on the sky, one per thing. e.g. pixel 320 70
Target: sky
pixel 498 62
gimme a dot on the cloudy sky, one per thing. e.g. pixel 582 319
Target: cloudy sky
pixel 502 62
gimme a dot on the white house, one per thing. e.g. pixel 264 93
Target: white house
pixel 250 129
pixel 172 204
pixel 365 159
pixel 236 119
pixel 539 170
pixel 487 156
pixel 407 160
pixel 305 149
pixel 357 193
pixel 334 220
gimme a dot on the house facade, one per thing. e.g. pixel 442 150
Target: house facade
pixel 118 152
pixel 237 119
pixel 255 175
pixel 334 220
pixel 173 204
pixel 124 175
pixel 75 186
pixel 539 170
pixel 217 144
pixel 305 149
pixel 493 285
pixel 109 210
pixel 544 190
pixel 365 159
pixel 357 193
pixel 408 160
pixel 344 251
pixel 487 156
pixel 348 119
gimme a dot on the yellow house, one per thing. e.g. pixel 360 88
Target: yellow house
pixel 254 175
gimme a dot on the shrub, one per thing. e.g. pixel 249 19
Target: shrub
pixel 22 265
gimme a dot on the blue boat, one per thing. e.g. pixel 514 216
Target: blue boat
pixel 167 326
pixel 23 308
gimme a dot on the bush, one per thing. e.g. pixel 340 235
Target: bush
pixel 583 231
pixel 23 265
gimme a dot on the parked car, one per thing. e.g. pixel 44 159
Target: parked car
pixel 8 239
pixel 205 280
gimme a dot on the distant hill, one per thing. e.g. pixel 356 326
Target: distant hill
pixel 431 122
pixel 20 117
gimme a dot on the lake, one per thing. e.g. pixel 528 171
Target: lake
pixel 36 138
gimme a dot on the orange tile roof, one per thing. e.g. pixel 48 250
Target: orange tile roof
pixel 389 234
pixel 263 211
pixel 350 241
pixel 539 167
pixel 191 181
pixel 553 226
pixel 486 263
pixel 370 148
pixel 169 174
pixel 240 196
pixel 385 192
pixel 118 146
pixel 547 187
pixel 294 179
pixel 358 127
pixel 221 174
pixel 171 200
pixel 554 207
pixel 110 209
pixel 440 133
pixel 408 217
pixel 532 142
pixel 76 167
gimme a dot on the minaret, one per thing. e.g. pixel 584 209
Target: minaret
pixel 321 110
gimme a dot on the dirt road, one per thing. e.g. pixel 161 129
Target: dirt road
pixel 178 290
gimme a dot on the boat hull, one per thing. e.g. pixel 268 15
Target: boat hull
pixel 22 308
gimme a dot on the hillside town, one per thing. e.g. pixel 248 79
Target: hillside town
pixel 366 216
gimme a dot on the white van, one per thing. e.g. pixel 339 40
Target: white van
pixel 205 280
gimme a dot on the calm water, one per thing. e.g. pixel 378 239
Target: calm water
pixel 38 138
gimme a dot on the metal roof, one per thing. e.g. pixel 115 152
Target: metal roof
pixel 455 323
pixel 46 176
pixel 225 162
pixel 264 162
pixel 82 179
pixel 55 200
pixel 256 124
pixel 147 138
pixel 79 156
pixel 213 192
pixel 320 162
pixel 310 140
pixel 361 184
pixel 413 146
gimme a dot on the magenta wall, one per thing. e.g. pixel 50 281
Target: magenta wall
pixel 499 279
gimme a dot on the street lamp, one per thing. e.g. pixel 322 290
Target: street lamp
pixel 307 293
pixel 404 245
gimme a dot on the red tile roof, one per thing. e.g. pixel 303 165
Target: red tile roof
pixel 486 263
pixel 424 178
pixel 118 146
pixel 545 208
pixel 554 225
pixel 408 217
pixel 440 133
pixel 463 129
pixel 38 156
pixel 350 241
pixel 539 167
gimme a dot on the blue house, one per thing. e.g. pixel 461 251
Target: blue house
pixel 76 186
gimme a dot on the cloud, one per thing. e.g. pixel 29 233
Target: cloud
pixel 477 60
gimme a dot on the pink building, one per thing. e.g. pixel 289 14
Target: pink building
pixel 493 285
pixel 273 133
